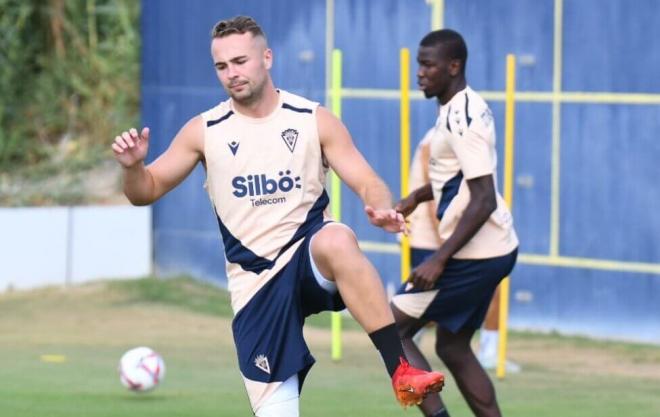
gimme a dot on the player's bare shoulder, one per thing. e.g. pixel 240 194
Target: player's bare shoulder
pixel 191 134
pixel 325 118
pixel 481 116
pixel 331 129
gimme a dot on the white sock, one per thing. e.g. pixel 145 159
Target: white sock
pixel 488 344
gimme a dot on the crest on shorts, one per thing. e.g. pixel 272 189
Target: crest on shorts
pixel 261 362
pixel 290 137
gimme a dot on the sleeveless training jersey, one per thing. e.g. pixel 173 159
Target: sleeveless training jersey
pixel 265 179
pixel 422 233
pixel 463 148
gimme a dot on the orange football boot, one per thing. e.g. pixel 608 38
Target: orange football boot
pixel 411 385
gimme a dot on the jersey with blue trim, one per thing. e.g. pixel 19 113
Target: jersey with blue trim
pixel 265 179
pixel 422 232
pixel 463 148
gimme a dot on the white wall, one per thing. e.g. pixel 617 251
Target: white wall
pixel 65 245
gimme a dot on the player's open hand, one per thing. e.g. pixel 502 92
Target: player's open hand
pixel 130 147
pixel 406 205
pixel 427 273
pixel 387 219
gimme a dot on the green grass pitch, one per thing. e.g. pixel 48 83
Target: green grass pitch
pixel 189 324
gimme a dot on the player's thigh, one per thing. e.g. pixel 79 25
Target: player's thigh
pixel 407 326
pixel 284 401
pixel 289 408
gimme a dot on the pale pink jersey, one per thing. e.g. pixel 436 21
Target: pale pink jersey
pixel 463 148
pixel 265 179
pixel 423 233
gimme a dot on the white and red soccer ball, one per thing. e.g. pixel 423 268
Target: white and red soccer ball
pixel 141 369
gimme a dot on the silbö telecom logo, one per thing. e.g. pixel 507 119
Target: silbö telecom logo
pixel 259 187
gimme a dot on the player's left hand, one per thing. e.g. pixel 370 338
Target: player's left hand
pixel 406 205
pixel 387 219
pixel 427 273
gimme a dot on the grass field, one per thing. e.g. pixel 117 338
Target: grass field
pixel 189 324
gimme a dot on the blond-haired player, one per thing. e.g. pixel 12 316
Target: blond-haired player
pixel 266 153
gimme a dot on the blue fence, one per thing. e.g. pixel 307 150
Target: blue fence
pixel 588 109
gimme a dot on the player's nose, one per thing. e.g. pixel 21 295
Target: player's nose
pixel 232 73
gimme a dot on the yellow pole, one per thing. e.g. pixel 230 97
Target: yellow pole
pixel 509 123
pixel 404 58
pixel 335 192
pixel 437 13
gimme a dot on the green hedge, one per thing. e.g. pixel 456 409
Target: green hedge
pixel 69 79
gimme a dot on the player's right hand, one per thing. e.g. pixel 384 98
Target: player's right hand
pixel 387 219
pixel 131 148
pixel 406 205
pixel 425 275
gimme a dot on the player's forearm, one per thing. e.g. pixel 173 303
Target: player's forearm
pixel 139 185
pixel 376 194
pixel 475 215
pixel 423 193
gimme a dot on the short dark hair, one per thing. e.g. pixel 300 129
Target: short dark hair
pixel 455 46
pixel 236 25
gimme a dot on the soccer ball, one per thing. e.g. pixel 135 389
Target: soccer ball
pixel 141 369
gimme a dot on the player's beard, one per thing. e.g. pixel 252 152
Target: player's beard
pixel 250 94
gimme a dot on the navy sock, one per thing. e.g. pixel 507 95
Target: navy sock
pixel 388 343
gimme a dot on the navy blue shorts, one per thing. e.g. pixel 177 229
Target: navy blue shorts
pixel 268 330
pixel 461 295
pixel 417 256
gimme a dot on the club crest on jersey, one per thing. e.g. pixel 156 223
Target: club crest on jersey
pixel 261 362
pixel 290 137
pixel 233 147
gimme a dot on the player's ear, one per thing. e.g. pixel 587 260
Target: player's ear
pixel 268 58
pixel 455 67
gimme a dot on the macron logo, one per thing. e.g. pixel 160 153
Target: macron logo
pixel 233 147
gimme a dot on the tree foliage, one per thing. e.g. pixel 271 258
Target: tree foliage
pixel 69 78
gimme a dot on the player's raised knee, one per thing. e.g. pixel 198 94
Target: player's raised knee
pixel 333 240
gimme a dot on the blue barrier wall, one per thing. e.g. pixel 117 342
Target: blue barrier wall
pixel 588 107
